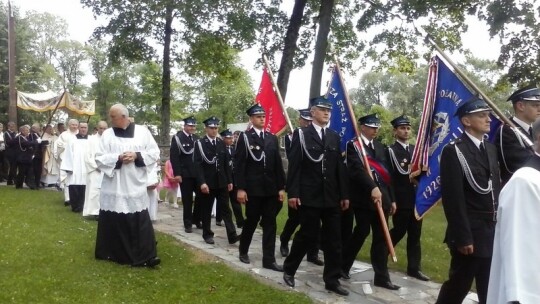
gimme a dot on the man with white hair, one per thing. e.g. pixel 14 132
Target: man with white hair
pixel 59 149
pixel 94 175
pixel 74 165
pixel 126 153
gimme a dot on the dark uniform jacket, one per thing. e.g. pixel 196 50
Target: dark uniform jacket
pixel 317 184
pixel 360 183
pixel 26 146
pixel 512 155
pixel 470 215
pixel 182 163
pixel 11 142
pixel 258 178
pixel 404 190
pixel 38 151
pixel 217 174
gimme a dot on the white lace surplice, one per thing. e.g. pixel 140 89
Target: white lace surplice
pixel 124 190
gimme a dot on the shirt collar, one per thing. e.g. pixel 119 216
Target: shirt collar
pixel 258 131
pixel 523 124
pixel 365 140
pixel 404 145
pixel 475 140
pixel 210 138
pixel 186 133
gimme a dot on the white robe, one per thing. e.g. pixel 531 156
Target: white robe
pixel 124 190
pixel 153 180
pixel 51 167
pixel 93 177
pixel 73 162
pixel 515 268
pixel 59 148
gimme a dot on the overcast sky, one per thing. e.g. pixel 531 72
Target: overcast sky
pixel 82 23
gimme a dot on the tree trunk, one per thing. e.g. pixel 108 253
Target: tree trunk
pixel 325 18
pixel 289 49
pixel 166 79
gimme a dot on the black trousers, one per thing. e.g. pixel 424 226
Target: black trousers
pixel 37 167
pixel 4 166
pixel 25 174
pixel 366 219
pixel 347 225
pixel 12 164
pixel 222 199
pixel 76 197
pixel 307 237
pixel 236 208
pixel 256 208
pixel 405 222
pixel 293 221
pixel 463 269
pixel 192 213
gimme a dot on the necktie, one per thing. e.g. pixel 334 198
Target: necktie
pixel 483 150
pixel 322 135
pixel 370 145
pixel 407 148
pixel 261 135
pixel 213 142
pixel 530 132
pixel 190 137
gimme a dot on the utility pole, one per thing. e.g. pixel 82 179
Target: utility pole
pixel 12 110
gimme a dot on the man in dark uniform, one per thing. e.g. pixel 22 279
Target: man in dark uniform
pixel 470 186
pixel 181 155
pixel 366 192
pixel 25 152
pixel 513 150
pixel 227 137
pixel 260 180
pixel 37 162
pixel 214 179
pixel 293 220
pixel 404 220
pixel 317 186
pixel 12 148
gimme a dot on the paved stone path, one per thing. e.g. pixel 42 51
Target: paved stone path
pixel 309 277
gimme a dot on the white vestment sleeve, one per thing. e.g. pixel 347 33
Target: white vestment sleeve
pixel 105 157
pixel 67 163
pixel 150 155
pixel 515 269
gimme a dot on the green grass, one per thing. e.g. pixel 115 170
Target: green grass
pixel 47 256
pixel 435 254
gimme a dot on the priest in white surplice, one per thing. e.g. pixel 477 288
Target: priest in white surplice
pixel 515 268
pixel 73 164
pixel 51 169
pixel 93 175
pixel 125 234
pixel 59 150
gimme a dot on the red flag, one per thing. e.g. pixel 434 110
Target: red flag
pixel 275 122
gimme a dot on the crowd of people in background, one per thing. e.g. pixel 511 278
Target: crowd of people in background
pixel 112 175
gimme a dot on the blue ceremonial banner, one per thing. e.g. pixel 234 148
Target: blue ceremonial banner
pixel 447 95
pixel 341 120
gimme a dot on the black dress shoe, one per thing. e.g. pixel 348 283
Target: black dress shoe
pixel 273 266
pixel 337 289
pixel 288 279
pixel 198 225
pixel 344 275
pixel 244 258
pixel 153 262
pixel 219 223
pixel 418 275
pixel 284 249
pixel 66 203
pixel 189 230
pixel 234 239
pixel 315 260
pixel 209 240
pixel 387 285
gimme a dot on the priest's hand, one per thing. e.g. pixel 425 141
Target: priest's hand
pixel 178 179
pixel 281 195
pixel 344 204
pixel 241 196
pixel 466 250
pixel 128 157
pixel 205 189
pixel 294 203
